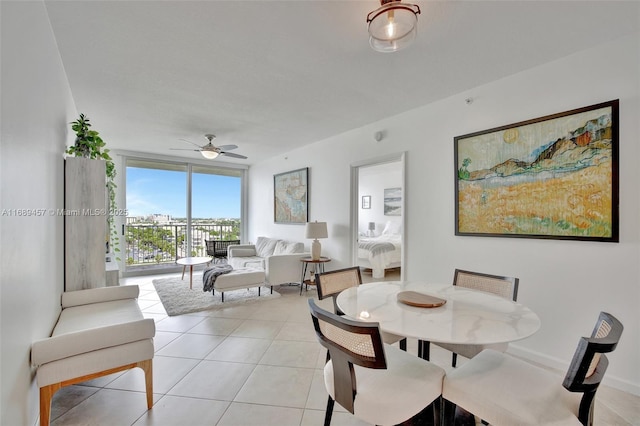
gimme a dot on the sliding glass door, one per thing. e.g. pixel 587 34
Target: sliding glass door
pixel 215 206
pixel 173 208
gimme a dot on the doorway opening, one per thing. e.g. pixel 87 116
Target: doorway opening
pixel 377 220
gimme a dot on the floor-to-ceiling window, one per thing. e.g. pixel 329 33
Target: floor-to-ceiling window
pixel 173 208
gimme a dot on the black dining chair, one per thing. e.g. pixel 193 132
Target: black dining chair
pixel 504 390
pixel 332 283
pixel 376 382
pixel 506 287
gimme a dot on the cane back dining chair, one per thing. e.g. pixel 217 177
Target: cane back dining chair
pixel 504 390
pixel 376 382
pixel 331 283
pixel 506 287
pixel 218 248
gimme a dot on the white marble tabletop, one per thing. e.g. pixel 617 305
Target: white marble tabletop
pixel 469 316
pixel 190 261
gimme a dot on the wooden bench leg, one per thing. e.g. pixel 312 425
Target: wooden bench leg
pixel 47 392
pixel 46 395
pixel 147 367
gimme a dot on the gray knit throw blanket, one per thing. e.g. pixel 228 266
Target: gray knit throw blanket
pixel 210 275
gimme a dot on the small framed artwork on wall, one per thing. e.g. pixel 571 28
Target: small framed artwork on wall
pixel 366 201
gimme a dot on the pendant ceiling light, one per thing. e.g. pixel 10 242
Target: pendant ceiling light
pixel 393 25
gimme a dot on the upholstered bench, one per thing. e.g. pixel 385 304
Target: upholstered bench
pixel 100 331
pixel 240 278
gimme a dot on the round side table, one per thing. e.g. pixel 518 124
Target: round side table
pixel 305 264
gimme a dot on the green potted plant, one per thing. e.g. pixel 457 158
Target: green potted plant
pixel 89 144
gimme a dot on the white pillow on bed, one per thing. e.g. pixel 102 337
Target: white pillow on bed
pixel 392 228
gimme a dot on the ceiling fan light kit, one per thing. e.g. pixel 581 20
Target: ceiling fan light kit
pixel 210 155
pixel 210 151
pixel 393 26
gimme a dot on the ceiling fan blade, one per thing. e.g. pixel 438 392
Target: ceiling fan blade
pixel 185 149
pixel 231 154
pixel 192 143
pixel 227 147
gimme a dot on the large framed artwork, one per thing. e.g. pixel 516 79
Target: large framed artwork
pixel 393 201
pixel 291 196
pixel 553 177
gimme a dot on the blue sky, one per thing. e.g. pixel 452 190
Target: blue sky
pixel 152 191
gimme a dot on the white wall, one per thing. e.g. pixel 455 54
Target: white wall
pixel 566 282
pixel 36 109
pixel 372 181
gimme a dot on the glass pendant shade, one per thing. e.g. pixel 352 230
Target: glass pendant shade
pixel 210 155
pixel 393 26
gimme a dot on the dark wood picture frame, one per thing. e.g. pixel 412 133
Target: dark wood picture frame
pixel 291 197
pixel 553 177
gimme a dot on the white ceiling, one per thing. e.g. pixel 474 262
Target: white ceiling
pixel 271 76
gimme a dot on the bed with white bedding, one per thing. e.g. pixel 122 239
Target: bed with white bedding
pixel 380 253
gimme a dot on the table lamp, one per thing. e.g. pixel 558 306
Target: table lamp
pixel 372 228
pixel 316 230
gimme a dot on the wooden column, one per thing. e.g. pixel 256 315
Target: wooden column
pixel 84 224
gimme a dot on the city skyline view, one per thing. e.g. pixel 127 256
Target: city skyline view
pixel 154 191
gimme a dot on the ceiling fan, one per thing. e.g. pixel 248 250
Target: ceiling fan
pixel 210 151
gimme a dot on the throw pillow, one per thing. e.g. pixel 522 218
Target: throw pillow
pixel 265 246
pixel 285 247
pixel 243 252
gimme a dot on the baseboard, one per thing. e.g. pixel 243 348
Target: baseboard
pixel 561 367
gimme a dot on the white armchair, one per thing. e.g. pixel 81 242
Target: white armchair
pixel 279 259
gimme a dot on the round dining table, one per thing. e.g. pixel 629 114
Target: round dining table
pixel 467 316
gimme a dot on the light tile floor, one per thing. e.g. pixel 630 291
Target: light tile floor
pixel 254 364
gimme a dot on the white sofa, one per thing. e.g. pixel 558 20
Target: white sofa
pixel 279 259
pixel 99 332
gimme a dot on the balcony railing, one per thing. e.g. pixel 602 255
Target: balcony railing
pixel 164 244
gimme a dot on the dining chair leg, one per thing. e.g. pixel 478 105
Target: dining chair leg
pixel 403 344
pixel 447 413
pixel 424 349
pixel 436 407
pixel 329 412
pixel 454 359
pixel 463 418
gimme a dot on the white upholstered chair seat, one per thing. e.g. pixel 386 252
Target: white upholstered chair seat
pixel 504 390
pixel 506 287
pixel 389 338
pixel 469 351
pixel 392 395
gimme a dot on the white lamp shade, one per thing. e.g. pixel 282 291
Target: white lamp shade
pixel 316 230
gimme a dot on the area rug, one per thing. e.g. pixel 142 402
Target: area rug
pixel 178 299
